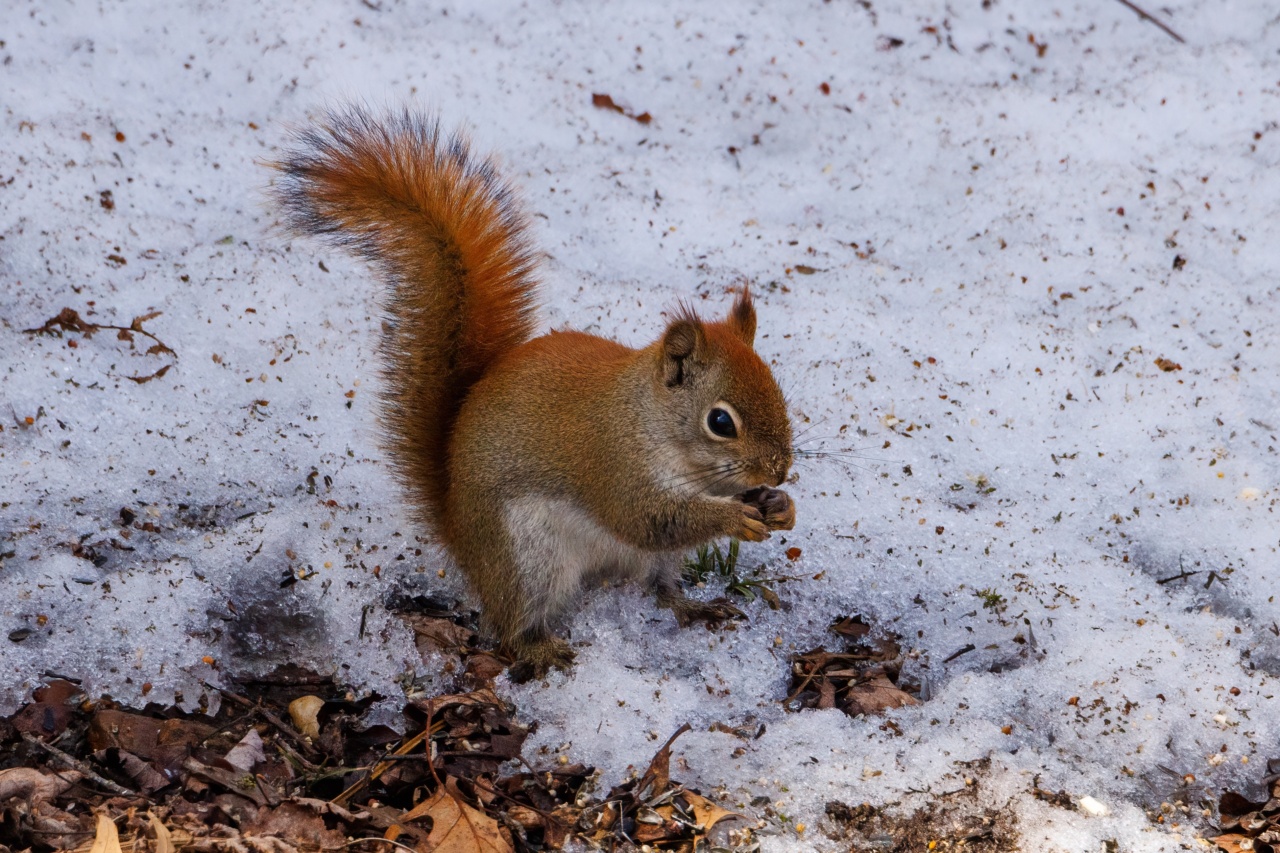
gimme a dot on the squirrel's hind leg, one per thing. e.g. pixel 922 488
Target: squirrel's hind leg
pixel 553 546
pixel 667 589
pixel 535 654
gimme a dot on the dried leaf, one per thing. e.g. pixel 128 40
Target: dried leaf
pixel 107 839
pixel 50 714
pixel 164 839
pixel 826 694
pixel 876 696
pixel 1233 843
pixel 484 666
pixel 248 752
pixel 656 825
pixel 852 626
pixel 658 777
pixel 32 785
pixel 606 102
pixel 435 633
pixel 136 325
pixel 483 696
pixel 458 828
pixel 161 372
pixel 67 320
pixel 145 777
pixel 705 812
pixel 1167 365
pixel 1234 805
pixel 165 742
pixel 295 824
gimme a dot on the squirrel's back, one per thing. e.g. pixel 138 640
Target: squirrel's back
pixel 445 231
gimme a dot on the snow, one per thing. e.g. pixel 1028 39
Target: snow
pixel 988 216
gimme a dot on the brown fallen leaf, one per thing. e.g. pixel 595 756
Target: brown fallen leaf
pixel 1233 843
pixel 458 828
pixel 141 379
pixel 32 785
pixel 164 838
pixel 438 634
pixel 165 743
pixel 657 778
pixel 145 777
pixel 49 714
pixel 852 626
pixel 296 824
pixel 705 812
pixel 826 694
pixel 606 102
pixel 107 839
pixel 1167 365
pixel 246 754
pixel 484 667
pixel 1231 804
pixel 875 696
pixel 656 825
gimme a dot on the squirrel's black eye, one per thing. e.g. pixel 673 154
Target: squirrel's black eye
pixel 720 422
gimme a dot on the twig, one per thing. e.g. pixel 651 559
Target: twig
pixel 1183 575
pixel 491 790
pixel 382 766
pixel 232 781
pixel 963 650
pixel 80 766
pixel 280 725
pixel 356 841
pixel 1142 13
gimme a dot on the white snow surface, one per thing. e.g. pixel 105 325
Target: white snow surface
pixel 961 222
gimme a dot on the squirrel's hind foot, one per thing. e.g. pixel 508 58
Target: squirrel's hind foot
pixel 710 613
pixel 535 656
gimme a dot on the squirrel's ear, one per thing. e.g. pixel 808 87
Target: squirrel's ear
pixel 742 318
pixel 683 339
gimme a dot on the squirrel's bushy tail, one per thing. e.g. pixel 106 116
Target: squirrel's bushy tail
pixel 444 229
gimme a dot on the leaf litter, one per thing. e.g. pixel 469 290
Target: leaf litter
pixel 288 767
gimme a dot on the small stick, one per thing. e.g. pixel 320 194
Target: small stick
pixel 280 725
pixel 78 765
pixel 397 844
pixel 382 765
pixel 1141 13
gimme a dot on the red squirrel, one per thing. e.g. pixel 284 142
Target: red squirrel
pixel 540 462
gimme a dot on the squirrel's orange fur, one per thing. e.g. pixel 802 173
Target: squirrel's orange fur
pixel 540 462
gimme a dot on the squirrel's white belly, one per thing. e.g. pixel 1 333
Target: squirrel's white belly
pixel 557 546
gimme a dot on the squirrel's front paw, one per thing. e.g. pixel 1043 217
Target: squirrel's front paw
pixel 751 526
pixel 775 505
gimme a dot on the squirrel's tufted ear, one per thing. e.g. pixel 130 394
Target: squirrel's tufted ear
pixel 742 317
pixel 683 340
